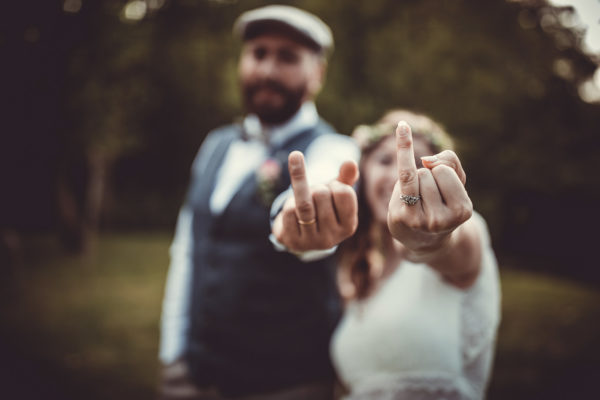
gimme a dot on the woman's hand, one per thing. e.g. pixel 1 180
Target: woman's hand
pixel 317 217
pixel 443 204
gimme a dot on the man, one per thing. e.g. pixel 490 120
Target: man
pixel 248 313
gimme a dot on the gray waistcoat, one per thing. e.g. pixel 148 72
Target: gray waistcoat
pixel 261 319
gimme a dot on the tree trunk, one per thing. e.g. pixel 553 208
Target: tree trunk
pixel 70 214
pixel 99 166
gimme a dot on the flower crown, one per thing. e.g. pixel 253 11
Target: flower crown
pixel 368 135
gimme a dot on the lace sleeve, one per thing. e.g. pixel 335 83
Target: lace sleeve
pixel 481 316
pixel 481 303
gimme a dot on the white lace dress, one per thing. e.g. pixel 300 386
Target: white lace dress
pixel 419 338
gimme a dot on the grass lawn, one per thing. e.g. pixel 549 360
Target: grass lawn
pixel 548 345
pixel 74 328
pixel 87 328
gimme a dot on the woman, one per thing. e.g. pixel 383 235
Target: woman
pixel 419 276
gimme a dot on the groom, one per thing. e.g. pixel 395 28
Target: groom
pixel 249 309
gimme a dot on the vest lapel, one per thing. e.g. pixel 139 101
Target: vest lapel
pixel 200 192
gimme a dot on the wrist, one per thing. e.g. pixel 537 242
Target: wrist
pixel 430 251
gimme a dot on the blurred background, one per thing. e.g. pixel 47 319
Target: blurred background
pixel 105 103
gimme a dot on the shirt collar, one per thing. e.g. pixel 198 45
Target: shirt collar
pixel 306 117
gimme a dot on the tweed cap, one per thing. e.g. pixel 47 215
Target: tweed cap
pixel 303 25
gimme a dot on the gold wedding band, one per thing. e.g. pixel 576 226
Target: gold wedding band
pixel 312 221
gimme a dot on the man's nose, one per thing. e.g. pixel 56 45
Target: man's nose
pixel 267 67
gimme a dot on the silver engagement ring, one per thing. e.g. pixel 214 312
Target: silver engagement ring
pixel 410 200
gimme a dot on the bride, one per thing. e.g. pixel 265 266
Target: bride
pixel 419 277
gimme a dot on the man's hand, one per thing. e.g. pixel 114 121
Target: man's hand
pixel 320 216
pixel 444 204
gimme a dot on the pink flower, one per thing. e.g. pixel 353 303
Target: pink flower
pixel 268 178
pixel 269 170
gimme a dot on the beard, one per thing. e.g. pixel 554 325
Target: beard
pixel 268 112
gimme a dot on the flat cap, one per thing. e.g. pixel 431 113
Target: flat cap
pixel 306 26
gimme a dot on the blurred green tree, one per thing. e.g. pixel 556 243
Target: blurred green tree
pixel 110 92
pixel 502 76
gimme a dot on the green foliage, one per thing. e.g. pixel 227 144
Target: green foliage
pixel 503 83
pixel 110 86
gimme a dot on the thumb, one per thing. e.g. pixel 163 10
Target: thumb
pixel 348 173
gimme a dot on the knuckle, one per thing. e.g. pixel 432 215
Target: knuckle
pixel 295 243
pixel 348 231
pixel 442 168
pixel 328 242
pixel 463 211
pixel 345 228
pixel 353 222
pixel 335 187
pixel 401 218
pixel 393 215
pixel 280 237
pixel 443 171
pixel 304 207
pixel 423 172
pixel 343 190
pixel 287 212
pixel 297 174
pixel 449 154
pixel 450 158
pixel 320 192
pixel 467 211
pixel 435 224
pixel 406 176
pixel 289 204
pixel 288 241
pixel 345 198
pixel 416 223
pixel 453 165
pixel 404 142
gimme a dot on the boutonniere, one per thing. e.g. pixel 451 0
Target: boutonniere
pixel 268 179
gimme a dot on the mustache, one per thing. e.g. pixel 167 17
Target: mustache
pixel 251 89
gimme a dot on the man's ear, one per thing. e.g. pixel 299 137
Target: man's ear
pixel 317 79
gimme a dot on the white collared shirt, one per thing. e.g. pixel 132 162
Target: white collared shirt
pixel 323 158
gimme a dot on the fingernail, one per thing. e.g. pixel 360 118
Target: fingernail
pixel 403 128
pixel 429 159
pixel 295 159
